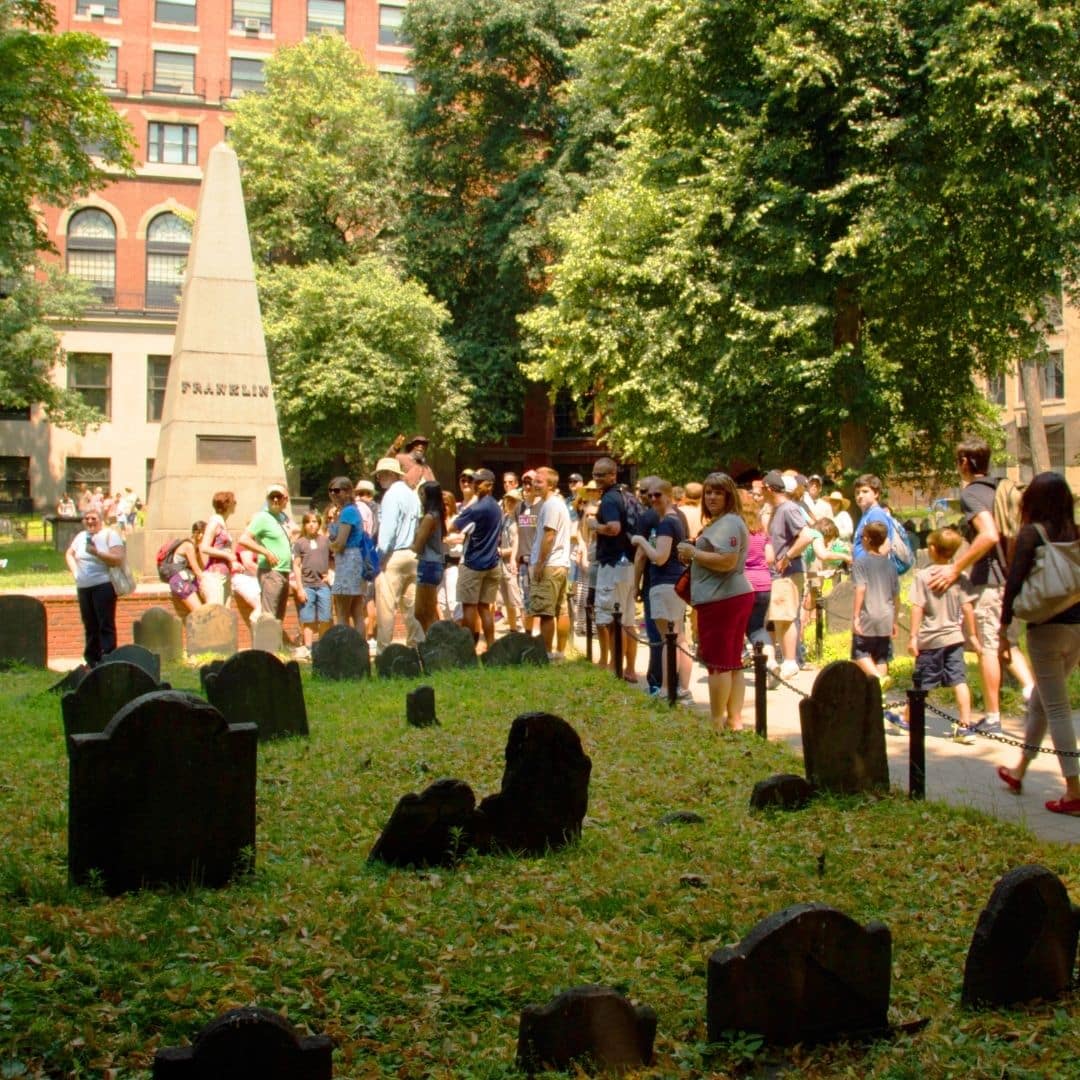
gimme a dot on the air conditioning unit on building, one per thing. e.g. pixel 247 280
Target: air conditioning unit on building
pixel 252 25
pixel 96 11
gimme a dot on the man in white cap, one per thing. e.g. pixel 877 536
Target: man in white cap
pixel 395 587
pixel 267 534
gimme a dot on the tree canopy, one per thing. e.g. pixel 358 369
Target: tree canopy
pixel 822 220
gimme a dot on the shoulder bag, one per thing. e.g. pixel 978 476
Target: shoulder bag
pixel 1053 583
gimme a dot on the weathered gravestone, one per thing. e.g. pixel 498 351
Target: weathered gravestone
pixel 102 694
pixel 398 661
pixel 784 791
pixel 161 632
pixel 255 687
pixel 420 707
pixel 515 649
pixel 589 1026
pixel 843 731
pixel 248 1044
pixel 427 829
pixel 266 633
pixel 141 657
pixel 24 637
pixel 807 974
pixel 838 606
pixel 71 680
pixel 1024 946
pixel 341 653
pixel 208 670
pixel 545 789
pixel 165 795
pixel 447 645
pixel 211 629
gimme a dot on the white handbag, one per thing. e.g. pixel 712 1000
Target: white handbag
pixel 1052 584
pixel 123 581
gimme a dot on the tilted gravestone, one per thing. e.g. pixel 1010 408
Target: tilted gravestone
pixel 784 791
pixel 1024 946
pixel 806 974
pixel 102 694
pixel 248 1044
pixel 587 1025
pixel 427 829
pixel 71 680
pixel 341 653
pixel 255 687
pixel 211 629
pixel 447 645
pixel 515 649
pixel 165 795
pixel 266 633
pixel 839 604
pixel 843 731
pixel 24 636
pixel 161 632
pixel 141 657
pixel 398 661
pixel 420 707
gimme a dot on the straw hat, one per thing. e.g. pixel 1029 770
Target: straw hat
pixel 836 497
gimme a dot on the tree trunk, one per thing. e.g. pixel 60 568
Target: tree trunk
pixel 1032 384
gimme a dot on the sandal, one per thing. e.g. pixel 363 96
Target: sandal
pixel 1064 806
pixel 1009 780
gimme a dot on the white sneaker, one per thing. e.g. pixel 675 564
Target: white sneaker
pixel 555 656
pixel 301 652
pixel 789 669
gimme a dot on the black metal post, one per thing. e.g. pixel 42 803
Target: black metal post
pixel 588 631
pixel 819 623
pixel 761 717
pixel 917 747
pixel 671 660
pixel 616 641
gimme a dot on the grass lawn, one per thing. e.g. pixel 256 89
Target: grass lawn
pixel 424 974
pixel 32 563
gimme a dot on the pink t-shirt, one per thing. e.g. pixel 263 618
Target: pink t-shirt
pixel 757 569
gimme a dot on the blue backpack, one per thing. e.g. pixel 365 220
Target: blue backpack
pixel 369 553
pixel 903 558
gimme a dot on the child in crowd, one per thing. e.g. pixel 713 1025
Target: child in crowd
pixel 311 570
pixel 877 586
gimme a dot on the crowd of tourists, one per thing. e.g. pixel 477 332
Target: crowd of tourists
pixel 120 510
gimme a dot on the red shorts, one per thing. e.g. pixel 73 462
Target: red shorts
pixel 721 629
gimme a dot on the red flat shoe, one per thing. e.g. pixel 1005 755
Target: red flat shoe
pixel 1064 806
pixel 1009 780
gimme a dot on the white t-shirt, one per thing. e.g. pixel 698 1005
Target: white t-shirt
pixel 88 570
pixel 553 515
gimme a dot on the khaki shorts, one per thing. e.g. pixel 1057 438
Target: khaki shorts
pixel 615 585
pixel 664 604
pixel 478 586
pixel 988 617
pixel 784 602
pixel 547 597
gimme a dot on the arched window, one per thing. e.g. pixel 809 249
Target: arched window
pixel 91 251
pixel 167 241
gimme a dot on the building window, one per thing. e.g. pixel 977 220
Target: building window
pixel 149 476
pixel 995 389
pixel 174 73
pixel 157 375
pixel 404 80
pixel 325 15
pixel 1055 318
pixel 1051 377
pixel 390 20
pixel 105 69
pixel 173 144
pixel 91 252
pixel 175 11
pixel 168 239
pixel 14 480
pixel 112 8
pixel 88 375
pixel 573 415
pixel 252 15
pixel 247 76
pixel 92 472
pixel 1055 444
pixel 14 412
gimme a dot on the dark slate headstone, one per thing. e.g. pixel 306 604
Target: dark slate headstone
pixel 420 707
pixel 102 694
pixel 398 661
pixel 784 791
pixel 515 649
pixel 266 633
pixel 24 636
pixel 447 645
pixel 807 974
pixel 211 629
pixel 248 1044
pixel 208 670
pixel 165 795
pixel 71 680
pixel 1024 946
pixel 839 604
pixel 255 687
pixel 427 829
pixel 141 657
pixel 843 731
pixel 161 632
pixel 545 789
pixel 589 1026
pixel 341 653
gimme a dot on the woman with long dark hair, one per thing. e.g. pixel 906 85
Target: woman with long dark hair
pixel 1046 512
pixel 431 554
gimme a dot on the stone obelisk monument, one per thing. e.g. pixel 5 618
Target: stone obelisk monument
pixel 219 429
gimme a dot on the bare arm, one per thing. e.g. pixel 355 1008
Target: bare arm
pixel 986 539
pixel 656 553
pixel 423 532
pixel 547 542
pixel 916 622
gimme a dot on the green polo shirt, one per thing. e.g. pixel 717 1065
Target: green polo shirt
pixel 269 531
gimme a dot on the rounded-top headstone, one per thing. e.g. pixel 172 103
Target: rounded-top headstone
pixel 138 655
pixel 24 635
pixel 398 661
pixel 446 646
pixel 99 696
pixel 161 632
pixel 515 649
pixel 341 653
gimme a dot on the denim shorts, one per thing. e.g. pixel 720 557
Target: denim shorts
pixel 429 572
pixel 317 608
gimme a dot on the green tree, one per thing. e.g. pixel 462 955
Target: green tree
pixel 824 218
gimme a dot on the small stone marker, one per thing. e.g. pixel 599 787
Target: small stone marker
pixel 165 795
pixel 839 605
pixel 102 694
pixel 248 1044
pixel 843 731
pixel 420 707
pixel 24 636
pixel 266 633
pixel 1024 946
pixel 588 1025
pixel 515 649
pixel 149 661
pixel 447 646
pixel 807 974
pixel 398 661
pixel 341 653
pixel 784 791
pixel 161 632
pixel 211 629
pixel 427 829
pixel 255 687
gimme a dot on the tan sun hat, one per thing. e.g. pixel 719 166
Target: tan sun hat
pixel 837 497
pixel 390 465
